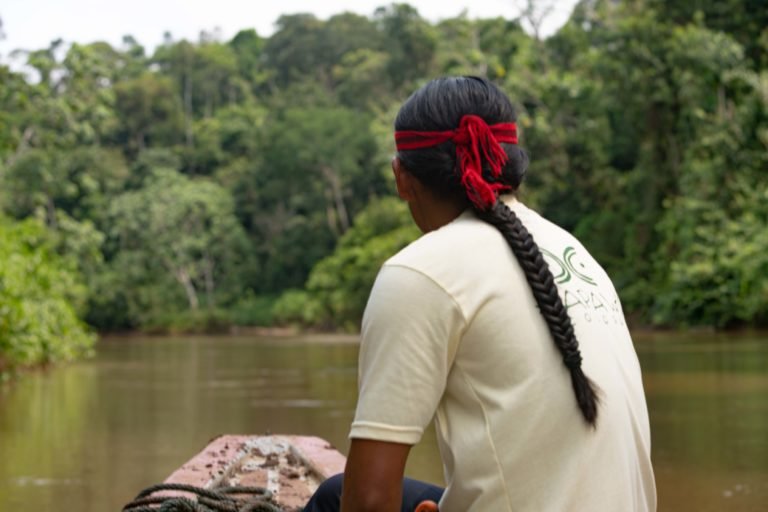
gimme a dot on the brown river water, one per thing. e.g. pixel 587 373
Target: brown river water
pixel 88 436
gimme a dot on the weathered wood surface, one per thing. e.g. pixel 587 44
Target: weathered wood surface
pixel 290 466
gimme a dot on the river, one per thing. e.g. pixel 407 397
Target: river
pixel 88 436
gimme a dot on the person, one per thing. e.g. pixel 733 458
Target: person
pixel 501 326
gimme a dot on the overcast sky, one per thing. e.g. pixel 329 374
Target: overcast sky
pixel 33 24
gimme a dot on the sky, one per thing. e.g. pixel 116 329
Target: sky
pixel 33 24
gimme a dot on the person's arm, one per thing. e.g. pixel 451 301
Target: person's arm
pixel 373 477
pixel 409 337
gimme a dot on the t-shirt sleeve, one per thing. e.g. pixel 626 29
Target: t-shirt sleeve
pixel 410 334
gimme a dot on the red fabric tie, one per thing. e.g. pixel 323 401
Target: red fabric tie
pixel 474 139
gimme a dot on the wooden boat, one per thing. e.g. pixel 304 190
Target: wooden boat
pixel 289 467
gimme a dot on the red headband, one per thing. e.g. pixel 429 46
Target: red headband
pixel 474 139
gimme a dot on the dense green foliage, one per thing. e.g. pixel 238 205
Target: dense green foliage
pixel 248 181
pixel 337 288
pixel 39 298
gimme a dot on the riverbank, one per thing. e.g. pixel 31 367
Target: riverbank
pixel 237 332
pixel 644 330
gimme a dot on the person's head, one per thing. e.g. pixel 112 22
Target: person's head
pixel 440 106
pixel 457 147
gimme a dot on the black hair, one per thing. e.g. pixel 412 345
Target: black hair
pixel 439 106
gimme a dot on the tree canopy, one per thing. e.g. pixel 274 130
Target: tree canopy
pixel 210 182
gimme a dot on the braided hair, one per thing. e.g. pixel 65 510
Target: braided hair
pixel 440 105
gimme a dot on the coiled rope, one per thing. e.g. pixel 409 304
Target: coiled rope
pixel 224 499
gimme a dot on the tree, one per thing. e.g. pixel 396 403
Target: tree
pixel 534 13
pixel 409 40
pixel 178 61
pixel 743 20
pixel 295 49
pixel 86 85
pixel 150 112
pixel 182 231
pixel 215 75
pixel 712 229
pixel 304 47
pixel 41 296
pixel 361 79
pixel 338 286
pixel 328 154
pixel 316 168
pixel 44 62
pixel 248 48
pixel 645 121
pixel 15 134
pixel 79 182
pixel 134 61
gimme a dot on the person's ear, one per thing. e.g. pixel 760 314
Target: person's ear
pixel 404 181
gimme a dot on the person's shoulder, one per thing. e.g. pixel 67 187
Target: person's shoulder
pixel 564 253
pixel 534 222
pixel 455 241
pixel 543 230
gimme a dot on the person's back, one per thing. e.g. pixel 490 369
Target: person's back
pixel 510 433
pixel 500 325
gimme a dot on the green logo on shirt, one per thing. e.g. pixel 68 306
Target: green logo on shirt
pixel 566 267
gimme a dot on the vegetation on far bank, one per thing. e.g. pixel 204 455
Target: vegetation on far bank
pixel 247 182
pixel 41 299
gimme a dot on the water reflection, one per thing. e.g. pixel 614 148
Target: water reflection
pixel 92 434
pixel 708 398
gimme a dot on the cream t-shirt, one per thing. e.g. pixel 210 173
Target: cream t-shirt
pixel 452 331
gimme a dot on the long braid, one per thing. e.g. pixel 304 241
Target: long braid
pixel 542 284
